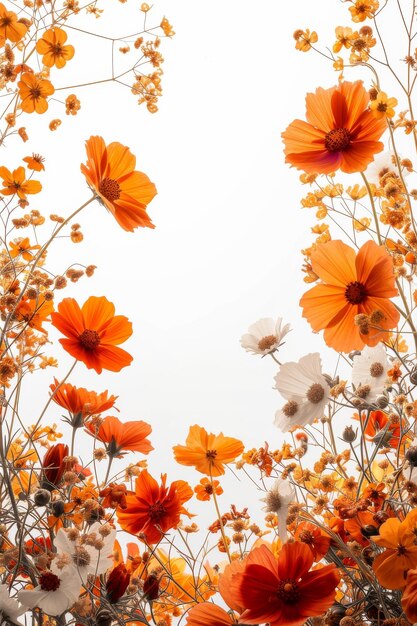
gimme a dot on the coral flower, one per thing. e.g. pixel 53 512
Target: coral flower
pixel 384 430
pixel 122 436
pixel 10 27
pixel 53 465
pixel 284 591
pixel 352 284
pixel 154 509
pixel 392 565
pixel 94 333
pixel 340 131
pixel 208 614
pixel 33 92
pixel 208 453
pixel 79 401
pixel 314 538
pixel 125 192
pixel 53 49
pixel 15 183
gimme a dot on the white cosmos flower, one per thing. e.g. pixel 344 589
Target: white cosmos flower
pixel 265 336
pixel 370 369
pixel 86 557
pixel 277 500
pixel 306 390
pixel 383 162
pixel 10 609
pixel 57 591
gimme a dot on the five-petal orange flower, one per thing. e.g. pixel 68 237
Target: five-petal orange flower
pixel 206 452
pixel 15 183
pixel 93 333
pixel 340 131
pixel 353 284
pixel 33 92
pixel 10 27
pixel 122 435
pixel 80 401
pixel 52 46
pixel 125 192
pixel 154 509
pixel 398 538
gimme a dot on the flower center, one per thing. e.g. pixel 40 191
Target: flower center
pixel 290 409
pixel 156 512
pixel 315 394
pixel 266 343
pixel 337 140
pixel 35 92
pixel 208 488
pixel 6 21
pixel 288 591
pixel 89 339
pixel 306 537
pixel 376 370
pixel 211 454
pixel 49 581
pixel 109 188
pixel 81 557
pixel 57 50
pixel 355 292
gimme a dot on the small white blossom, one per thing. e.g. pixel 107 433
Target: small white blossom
pixel 265 336
pixel 277 500
pixel 57 591
pixel 10 609
pixel 370 369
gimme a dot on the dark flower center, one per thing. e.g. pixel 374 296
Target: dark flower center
pixel 315 394
pixel 290 408
pixel 306 537
pixel 57 50
pixel 89 339
pixel 109 188
pixel 288 591
pixel 337 140
pixel 211 454
pixel 35 92
pixel 156 512
pixel 355 292
pixel 49 581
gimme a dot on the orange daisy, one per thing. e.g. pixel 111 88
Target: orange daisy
pixel 35 162
pixel 22 247
pixel 79 401
pixel 284 591
pixel 206 452
pixel 33 92
pixel 125 192
pixel 10 27
pixel 340 132
pixel 94 333
pixel 154 509
pixel 52 46
pixel 122 436
pixel 206 488
pixel 15 183
pixel 351 284
pixel 398 538
pixel 34 312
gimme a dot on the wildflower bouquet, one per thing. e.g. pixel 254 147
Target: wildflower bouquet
pixel 97 538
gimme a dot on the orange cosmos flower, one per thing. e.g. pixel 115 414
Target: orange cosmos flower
pixel 384 430
pixel 10 27
pixel 207 452
pixel 53 49
pixel 79 401
pixel 33 92
pixel 154 509
pixel 125 192
pixel 34 312
pixel 205 489
pixel 35 162
pixel 94 333
pixel 15 183
pixel 314 538
pixel 22 247
pixel 122 436
pixel 409 597
pixel 352 284
pixel 340 131
pixel 283 591
pixel 392 565
pixel 208 614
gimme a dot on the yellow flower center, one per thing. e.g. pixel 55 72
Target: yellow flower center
pixel 267 342
pixel 337 140
pixel 288 591
pixel 109 188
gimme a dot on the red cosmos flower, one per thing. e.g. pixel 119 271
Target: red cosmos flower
pixel 312 536
pixel 93 333
pixel 154 509
pixel 79 401
pixel 117 583
pixel 383 429
pixel 284 592
pixel 53 465
pixel 122 436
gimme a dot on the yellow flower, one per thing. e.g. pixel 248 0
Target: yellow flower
pixel 383 106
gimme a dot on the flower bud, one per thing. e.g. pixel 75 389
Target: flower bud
pixel 349 435
pixel 41 497
pixel 382 402
pixel 411 455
